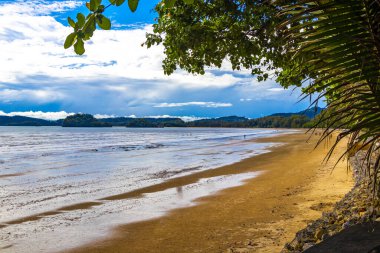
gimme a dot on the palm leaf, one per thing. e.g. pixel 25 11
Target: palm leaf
pixel 337 43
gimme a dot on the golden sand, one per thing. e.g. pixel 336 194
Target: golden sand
pixel 259 216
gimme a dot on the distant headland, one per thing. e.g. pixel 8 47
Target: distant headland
pixel 300 119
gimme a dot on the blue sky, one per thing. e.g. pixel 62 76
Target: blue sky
pixel 116 76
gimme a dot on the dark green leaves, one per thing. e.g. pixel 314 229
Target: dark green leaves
pixel 83 30
pixel 94 4
pixel 85 26
pixel 103 22
pixel 117 2
pixel 133 5
pixel 81 20
pixel 79 47
pixel 89 27
pixel 71 22
pixel 70 40
pixel 169 3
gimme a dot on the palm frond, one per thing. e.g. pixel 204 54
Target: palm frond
pixel 337 43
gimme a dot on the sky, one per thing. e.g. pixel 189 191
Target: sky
pixel 116 76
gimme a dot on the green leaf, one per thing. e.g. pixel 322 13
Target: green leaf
pixel 133 5
pixel 70 40
pixel 117 2
pixel 81 20
pixel 101 9
pixel 97 3
pixel 89 27
pixel 93 6
pixel 79 47
pixel 103 22
pixel 169 3
pixel 188 1
pixel 71 22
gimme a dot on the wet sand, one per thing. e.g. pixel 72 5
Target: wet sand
pixel 259 216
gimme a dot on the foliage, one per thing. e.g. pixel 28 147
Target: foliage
pixel 83 120
pixel 294 121
pixel 337 43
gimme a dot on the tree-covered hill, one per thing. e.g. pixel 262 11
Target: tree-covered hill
pixel 24 121
pixel 144 122
pixel 293 121
pixel 83 120
pixel 310 113
pixel 278 120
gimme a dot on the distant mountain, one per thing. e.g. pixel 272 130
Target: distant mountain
pixel 232 119
pixel 277 120
pixel 24 121
pixel 229 121
pixel 144 122
pixel 310 113
pixel 119 121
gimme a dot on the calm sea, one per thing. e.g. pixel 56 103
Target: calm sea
pixel 43 170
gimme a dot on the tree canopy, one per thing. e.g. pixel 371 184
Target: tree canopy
pixel 331 47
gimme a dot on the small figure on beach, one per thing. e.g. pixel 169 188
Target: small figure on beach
pixel 179 191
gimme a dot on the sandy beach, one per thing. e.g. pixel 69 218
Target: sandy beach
pixel 259 216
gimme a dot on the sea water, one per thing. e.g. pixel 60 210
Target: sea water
pixel 46 171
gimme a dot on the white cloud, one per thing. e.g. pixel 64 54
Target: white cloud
pixel 202 104
pixel 32 44
pixel 39 114
pixel 36 96
pixel 245 99
pixel 103 116
pixel 116 75
pixel 276 89
pixel 37 7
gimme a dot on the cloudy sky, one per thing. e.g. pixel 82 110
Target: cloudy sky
pixel 116 76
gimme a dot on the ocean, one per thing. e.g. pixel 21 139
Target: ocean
pixel 75 181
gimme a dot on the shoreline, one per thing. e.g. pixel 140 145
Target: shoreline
pixel 83 220
pixel 92 219
pixel 258 216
